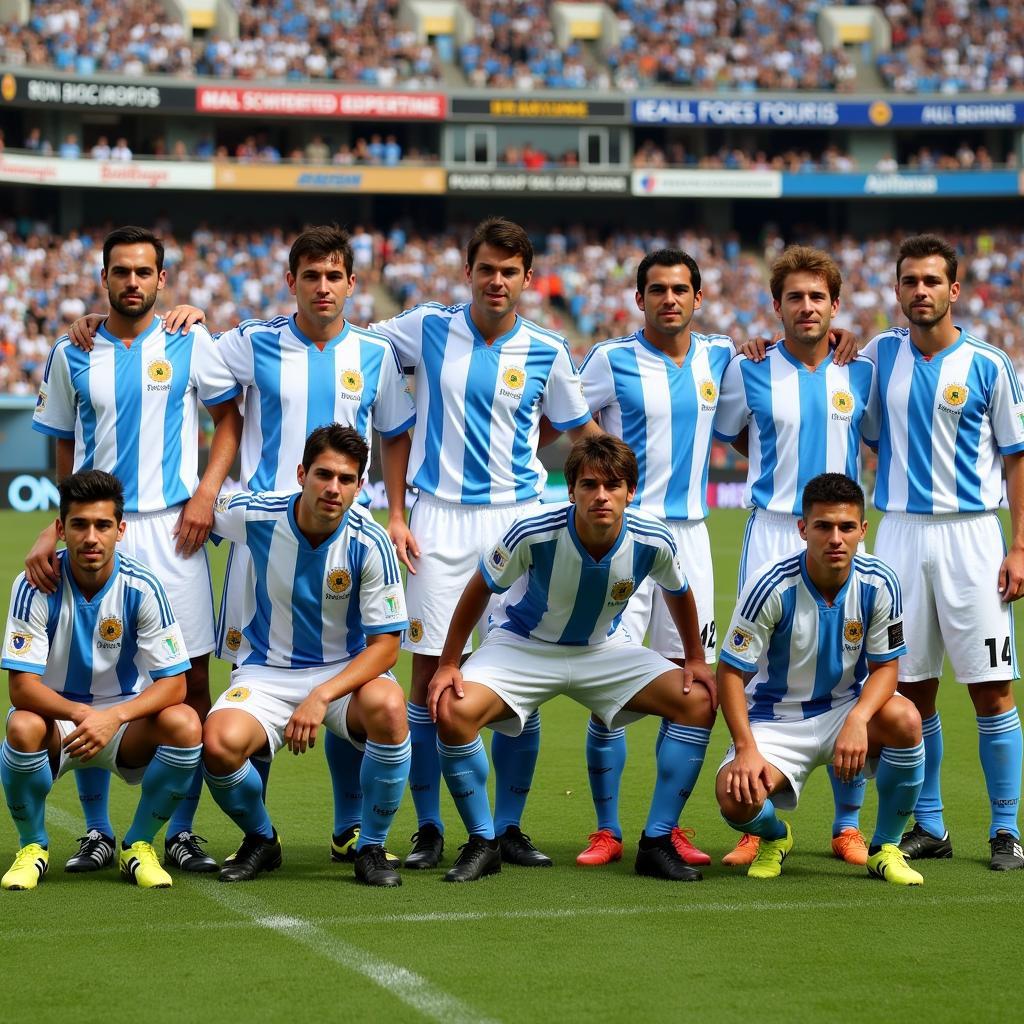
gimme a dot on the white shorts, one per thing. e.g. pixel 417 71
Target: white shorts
pixel 452 540
pixel 526 673
pixel 797 748
pixel 646 613
pixel 229 621
pixel 767 538
pixel 149 537
pixel 948 567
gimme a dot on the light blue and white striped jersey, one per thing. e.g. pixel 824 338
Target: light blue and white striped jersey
pixel 802 423
pixel 478 406
pixel 134 410
pixel 664 412
pixel 945 423
pixel 306 606
pixel 107 648
pixel 292 387
pixel 555 590
pixel 809 656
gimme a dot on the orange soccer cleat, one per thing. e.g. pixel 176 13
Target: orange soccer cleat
pixel 603 848
pixel 849 845
pixel 743 852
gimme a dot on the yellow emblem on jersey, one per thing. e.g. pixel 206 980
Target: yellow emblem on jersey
pixel 415 630
pixel 853 631
pixel 621 589
pixel 708 391
pixel 338 581
pixel 842 401
pixel 238 694
pixel 110 629
pixel 514 377
pixel 955 394
pixel 352 380
pixel 159 370
pixel 19 643
pixel 233 639
pixel 740 639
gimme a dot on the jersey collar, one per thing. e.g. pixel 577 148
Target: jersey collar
pixel 80 598
pixel 790 358
pixel 588 558
pixel 838 600
pixel 655 351
pixel 941 354
pixel 301 537
pixel 137 342
pixel 293 320
pixel 478 338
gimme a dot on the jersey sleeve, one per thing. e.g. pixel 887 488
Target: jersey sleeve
pixel 1006 410
pixel 234 351
pixel 229 515
pixel 26 642
pixel 393 409
pixel 161 645
pixel 885 630
pixel 405 332
pixel 667 571
pixel 733 413
pixel 57 405
pixel 597 380
pixel 563 402
pixel 381 598
pixel 752 624
pixel 871 421
pixel 214 379
pixel 506 560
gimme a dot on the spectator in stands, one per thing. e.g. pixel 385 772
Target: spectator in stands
pixel 69 148
pixel 121 150
pixel 317 151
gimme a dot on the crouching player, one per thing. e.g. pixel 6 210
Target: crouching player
pixel 567 574
pixel 323 615
pixel 96 681
pixel 826 627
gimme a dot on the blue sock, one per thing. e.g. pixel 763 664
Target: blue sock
pixel 1000 747
pixel 345 763
pixel 94 796
pixel 425 773
pixel 662 733
pixel 185 812
pixel 465 770
pixel 848 798
pixel 383 776
pixel 766 824
pixel 240 796
pixel 515 758
pixel 262 766
pixel 27 780
pixel 928 812
pixel 679 763
pixel 606 759
pixel 898 781
pixel 164 786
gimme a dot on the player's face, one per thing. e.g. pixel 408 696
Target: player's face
pixel 321 288
pixel 497 280
pixel 668 300
pixel 832 532
pixel 599 501
pixel 329 487
pixel 805 308
pixel 91 532
pixel 132 280
pixel 924 291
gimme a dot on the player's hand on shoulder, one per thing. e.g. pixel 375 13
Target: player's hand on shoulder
pixel 300 732
pixel 748 777
pixel 96 729
pixel 755 349
pixel 844 346
pixel 405 543
pixel 42 569
pixel 851 749
pixel 1011 576
pixel 183 318
pixel 446 677
pixel 82 332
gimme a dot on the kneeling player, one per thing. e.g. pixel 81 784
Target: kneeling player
pixel 96 681
pixel 324 612
pixel 826 627
pixel 571 570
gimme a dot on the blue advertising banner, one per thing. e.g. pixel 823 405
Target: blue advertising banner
pixel 906 184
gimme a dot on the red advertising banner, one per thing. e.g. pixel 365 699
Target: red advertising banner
pixel 403 106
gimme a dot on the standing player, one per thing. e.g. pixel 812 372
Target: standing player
pixel 566 575
pixel 952 410
pixel 808 677
pixel 323 610
pixel 658 390
pixel 96 678
pixel 131 406
pixel 800 415
pixel 484 377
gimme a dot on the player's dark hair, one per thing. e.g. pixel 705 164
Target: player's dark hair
pixel 798 259
pixel 667 258
pixel 831 489
pixel 336 438
pixel 87 486
pixel 131 235
pixel 501 234
pixel 921 246
pixel 608 456
pixel 324 242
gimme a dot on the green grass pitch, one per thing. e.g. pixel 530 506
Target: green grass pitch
pixel 823 942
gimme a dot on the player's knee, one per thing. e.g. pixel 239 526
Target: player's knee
pixel 728 805
pixel 180 726
pixel 26 731
pixel 904 721
pixel 991 698
pixel 222 751
pixel 454 723
pixel 383 710
pixel 699 709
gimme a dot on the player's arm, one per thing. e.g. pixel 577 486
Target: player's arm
pixel 180 318
pixel 748 776
pixel 588 429
pixel 741 442
pixel 851 749
pixel 41 566
pixel 394 466
pixel 683 609
pixel 1011 572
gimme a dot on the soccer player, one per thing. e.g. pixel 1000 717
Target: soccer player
pixel 807 676
pixel 658 390
pixel 484 378
pixel 566 575
pixel 323 613
pixel 131 406
pixel 952 411
pixel 96 670
pixel 797 414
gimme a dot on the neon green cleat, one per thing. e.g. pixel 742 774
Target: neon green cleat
pixel 890 865
pixel 770 855
pixel 30 864
pixel 140 865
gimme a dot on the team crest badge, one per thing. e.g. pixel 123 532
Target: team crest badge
pixel 19 643
pixel 621 589
pixel 739 640
pixel 352 380
pixel 110 629
pixel 392 605
pixel 233 640
pixel 842 402
pixel 41 401
pixel 708 391
pixel 237 694
pixel 338 581
pixel 955 394
pixel 499 558
pixel 172 646
pixel 159 371
pixel 514 377
pixel 222 502
pixel 415 630
pixel 853 631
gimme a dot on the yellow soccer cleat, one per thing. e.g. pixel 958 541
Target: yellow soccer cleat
pixel 849 845
pixel 30 864
pixel 139 864
pixel 770 855
pixel 891 865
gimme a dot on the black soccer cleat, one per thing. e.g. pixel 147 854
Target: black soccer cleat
pixel 917 844
pixel 477 859
pixel 373 868
pixel 95 852
pixel 254 856
pixel 343 847
pixel 516 848
pixel 1007 854
pixel 428 846
pixel 184 852
pixel 657 857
